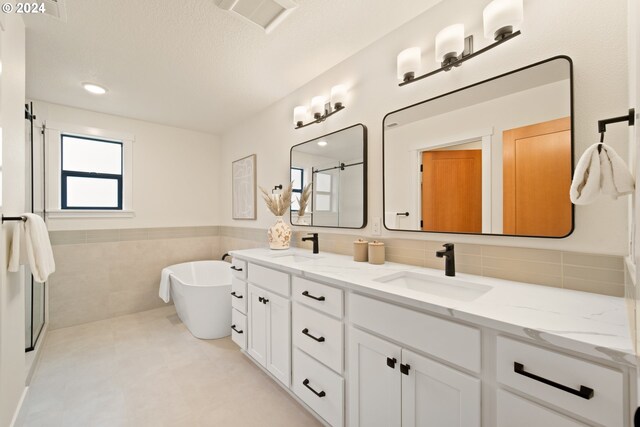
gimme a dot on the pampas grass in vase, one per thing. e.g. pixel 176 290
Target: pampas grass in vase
pixel 303 201
pixel 280 233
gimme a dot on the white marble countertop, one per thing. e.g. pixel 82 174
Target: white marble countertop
pixel 587 323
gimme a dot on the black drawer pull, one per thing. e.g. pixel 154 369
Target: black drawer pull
pixel 391 362
pixel 306 332
pixel 233 294
pixel 404 368
pixel 263 300
pixel 306 294
pixel 306 384
pixel 234 328
pixel 234 268
pixel 584 392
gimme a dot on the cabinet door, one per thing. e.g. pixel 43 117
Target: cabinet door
pixel 516 411
pixel 435 395
pixel 279 337
pixel 257 321
pixel 375 381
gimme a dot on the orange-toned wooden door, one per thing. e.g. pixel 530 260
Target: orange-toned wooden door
pixel 452 191
pixel 536 179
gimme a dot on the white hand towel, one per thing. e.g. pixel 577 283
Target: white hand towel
pixel 165 285
pixel 31 237
pixel 600 173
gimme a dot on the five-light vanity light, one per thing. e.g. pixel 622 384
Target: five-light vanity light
pixel 320 107
pixel 501 18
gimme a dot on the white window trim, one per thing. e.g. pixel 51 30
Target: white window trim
pixel 54 131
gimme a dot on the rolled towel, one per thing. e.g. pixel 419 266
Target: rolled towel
pixel 598 173
pixel 165 285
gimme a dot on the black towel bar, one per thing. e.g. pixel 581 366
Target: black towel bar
pixel 14 218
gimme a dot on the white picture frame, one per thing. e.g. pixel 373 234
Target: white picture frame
pixel 243 192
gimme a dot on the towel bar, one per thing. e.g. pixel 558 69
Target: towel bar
pixel 13 218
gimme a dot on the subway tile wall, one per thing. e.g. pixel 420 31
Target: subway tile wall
pixel 107 273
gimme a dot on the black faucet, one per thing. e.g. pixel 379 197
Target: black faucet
pixel 450 261
pixel 314 239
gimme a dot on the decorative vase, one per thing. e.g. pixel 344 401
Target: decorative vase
pixel 279 235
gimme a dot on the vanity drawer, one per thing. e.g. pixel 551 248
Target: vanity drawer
pixel 319 335
pixel 239 295
pixel 269 279
pixel 239 268
pixel 515 411
pixel 541 373
pixel 450 341
pixel 239 328
pixel 323 381
pixel 321 297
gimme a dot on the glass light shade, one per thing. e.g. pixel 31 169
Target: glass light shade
pixel 409 62
pixel 317 105
pixel 501 17
pixel 449 42
pixel 299 114
pixel 338 95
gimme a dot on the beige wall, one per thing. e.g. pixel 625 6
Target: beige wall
pixel 12 298
pixel 586 30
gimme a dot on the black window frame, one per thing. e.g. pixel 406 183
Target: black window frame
pixel 65 174
pixel 297 191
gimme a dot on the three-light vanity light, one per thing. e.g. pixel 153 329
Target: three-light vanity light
pixel 501 18
pixel 320 107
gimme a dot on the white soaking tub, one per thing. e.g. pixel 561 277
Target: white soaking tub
pixel 200 291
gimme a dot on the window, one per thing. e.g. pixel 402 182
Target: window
pixel 91 173
pixel 297 182
pixel 323 192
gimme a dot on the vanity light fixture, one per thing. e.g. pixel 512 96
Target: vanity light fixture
pixel 502 19
pixel 94 88
pixel 320 107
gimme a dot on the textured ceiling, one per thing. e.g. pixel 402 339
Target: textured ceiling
pixel 190 64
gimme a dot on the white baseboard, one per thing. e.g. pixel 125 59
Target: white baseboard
pixel 16 414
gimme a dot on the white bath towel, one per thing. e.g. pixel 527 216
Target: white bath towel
pixel 600 173
pixel 30 243
pixel 165 285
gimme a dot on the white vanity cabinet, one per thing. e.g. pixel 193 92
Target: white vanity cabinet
pixel 393 386
pixel 269 339
pixel 239 302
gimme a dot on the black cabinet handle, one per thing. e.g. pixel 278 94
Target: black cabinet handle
pixel 233 267
pixel 391 362
pixel 234 328
pixel 584 392
pixel 306 332
pixel 319 394
pixel 260 299
pixel 405 368
pixel 264 300
pixel 306 294
pixel 233 294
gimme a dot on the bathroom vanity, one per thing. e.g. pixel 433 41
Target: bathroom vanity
pixel 392 345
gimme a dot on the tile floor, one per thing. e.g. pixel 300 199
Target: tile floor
pixel 146 369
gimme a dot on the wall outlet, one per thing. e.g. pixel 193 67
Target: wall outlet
pixel 376 226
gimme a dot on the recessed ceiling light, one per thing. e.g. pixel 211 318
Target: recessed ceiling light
pixel 322 143
pixel 94 88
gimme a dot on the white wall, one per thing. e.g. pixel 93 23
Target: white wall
pixel 12 298
pixel 591 32
pixel 176 177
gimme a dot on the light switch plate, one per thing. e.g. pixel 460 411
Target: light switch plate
pixel 376 228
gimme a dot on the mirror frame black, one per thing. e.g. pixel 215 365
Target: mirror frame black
pixel 573 208
pixel 365 191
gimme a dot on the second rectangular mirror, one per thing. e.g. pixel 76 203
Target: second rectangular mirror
pixel 334 169
pixel 492 158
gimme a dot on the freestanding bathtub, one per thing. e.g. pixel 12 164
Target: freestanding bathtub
pixel 200 292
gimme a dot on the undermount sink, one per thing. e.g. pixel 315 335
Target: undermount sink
pixel 294 258
pixel 447 287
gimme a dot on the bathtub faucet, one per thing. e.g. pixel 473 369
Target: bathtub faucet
pixel 225 256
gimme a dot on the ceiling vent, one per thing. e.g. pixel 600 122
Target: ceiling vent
pixel 267 14
pixel 55 9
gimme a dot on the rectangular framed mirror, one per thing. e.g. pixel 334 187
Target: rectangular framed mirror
pixel 492 158
pixel 335 168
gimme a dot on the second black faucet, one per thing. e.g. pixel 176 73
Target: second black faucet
pixel 313 237
pixel 450 261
